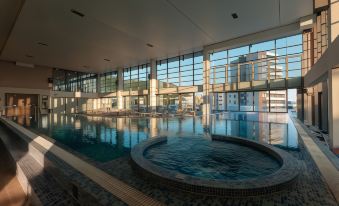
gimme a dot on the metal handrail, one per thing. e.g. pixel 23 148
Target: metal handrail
pixel 260 60
pixel 266 73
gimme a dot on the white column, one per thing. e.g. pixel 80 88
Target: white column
pixel 120 89
pixel 206 109
pixel 153 127
pixel 153 87
pixel 334 19
pixel 333 109
pixel 333 81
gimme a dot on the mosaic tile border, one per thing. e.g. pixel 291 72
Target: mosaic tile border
pixel 281 179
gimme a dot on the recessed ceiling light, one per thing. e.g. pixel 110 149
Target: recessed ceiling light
pixel 29 56
pixel 107 60
pixel 149 45
pixel 42 44
pixel 78 13
pixel 235 15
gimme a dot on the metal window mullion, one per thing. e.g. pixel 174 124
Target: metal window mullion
pixel 179 70
pixel 193 73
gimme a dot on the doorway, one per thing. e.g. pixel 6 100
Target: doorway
pixel 21 104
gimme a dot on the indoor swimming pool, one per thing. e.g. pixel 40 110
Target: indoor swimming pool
pixel 106 138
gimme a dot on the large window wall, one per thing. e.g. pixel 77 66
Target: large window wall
pixel 184 70
pixel 275 59
pixel 271 60
pixel 177 103
pixel 71 81
pixel 253 101
pixel 109 82
pixel 136 78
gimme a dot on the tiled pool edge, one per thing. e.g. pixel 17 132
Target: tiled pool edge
pixel 327 169
pixel 114 186
pixel 274 182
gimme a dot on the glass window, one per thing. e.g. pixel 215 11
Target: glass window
pixel 134 79
pixel 173 62
pixel 238 51
pixel 134 103
pixel 198 68
pixel 261 101
pixel 232 101
pixel 173 103
pixel 127 79
pixel 218 58
pixel 264 46
pixel 278 101
pixel 108 82
pixel 246 101
pixel 71 81
pixel 162 103
pixel 268 59
pixel 185 70
pixel 186 60
pixel 294 40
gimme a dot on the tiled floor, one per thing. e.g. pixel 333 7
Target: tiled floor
pixel 310 188
pixel 327 169
pixel 11 192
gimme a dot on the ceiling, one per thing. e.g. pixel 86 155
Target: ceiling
pixel 119 30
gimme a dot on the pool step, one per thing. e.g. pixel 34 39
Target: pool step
pixel 39 185
pixel 114 186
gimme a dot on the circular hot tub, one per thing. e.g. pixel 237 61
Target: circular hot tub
pixel 225 166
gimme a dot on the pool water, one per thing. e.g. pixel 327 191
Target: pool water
pixel 106 138
pixel 206 159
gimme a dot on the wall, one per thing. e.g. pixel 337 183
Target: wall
pixel 315 44
pixel 23 80
pixel 23 77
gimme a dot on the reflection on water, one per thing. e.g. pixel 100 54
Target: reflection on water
pixel 106 138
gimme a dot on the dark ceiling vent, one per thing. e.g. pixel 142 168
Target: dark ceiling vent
pixel 234 15
pixel 42 44
pixel 149 45
pixel 29 56
pixel 107 60
pixel 77 13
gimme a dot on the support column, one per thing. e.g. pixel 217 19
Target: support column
pixel 153 87
pixel 333 109
pixel 300 104
pixel 333 82
pixel 153 130
pixel 120 89
pixel 334 19
pixel 206 109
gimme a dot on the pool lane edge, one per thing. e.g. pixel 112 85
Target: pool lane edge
pixel 279 180
pixel 112 185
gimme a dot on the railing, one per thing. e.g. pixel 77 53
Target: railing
pixel 267 69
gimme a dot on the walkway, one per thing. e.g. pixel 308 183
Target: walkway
pixel 327 169
pixel 11 192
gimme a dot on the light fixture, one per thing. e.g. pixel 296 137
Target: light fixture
pixel 78 13
pixel 29 56
pixel 42 44
pixel 149 45
pixel 235 15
